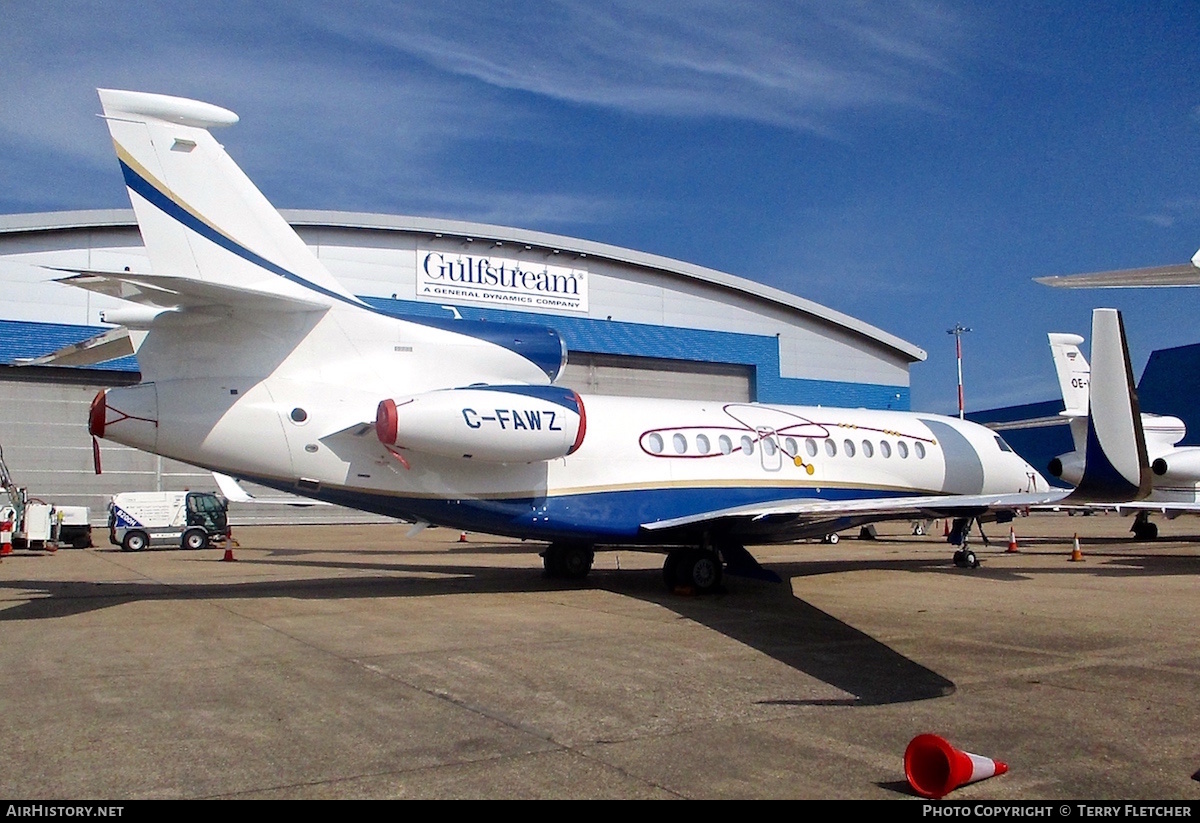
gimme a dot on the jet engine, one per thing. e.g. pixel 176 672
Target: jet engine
pixel 1068 466
pixel 494 424
pixel 1177 467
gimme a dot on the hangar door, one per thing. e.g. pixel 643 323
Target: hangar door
pixel 651 377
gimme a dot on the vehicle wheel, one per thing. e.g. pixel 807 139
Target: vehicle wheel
pixel 135 541
pixel 832 539
pixel 194 539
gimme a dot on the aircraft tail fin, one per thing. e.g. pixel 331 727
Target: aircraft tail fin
pixel 1073 372
pixel 1073 376
pixel 1116 467
pixel 200 216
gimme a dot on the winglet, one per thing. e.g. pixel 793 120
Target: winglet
pixel 1116 468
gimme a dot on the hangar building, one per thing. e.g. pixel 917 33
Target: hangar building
pixel 634 324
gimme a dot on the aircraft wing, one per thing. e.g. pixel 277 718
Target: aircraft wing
pixel 795 519
pixel 1183 274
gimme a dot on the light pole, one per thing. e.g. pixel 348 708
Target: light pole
pixel 958 331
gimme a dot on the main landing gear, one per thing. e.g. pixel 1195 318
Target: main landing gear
pixel 697 569
pixel 1142 528
pixel 568 561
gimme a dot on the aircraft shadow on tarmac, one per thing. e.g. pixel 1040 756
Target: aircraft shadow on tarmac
pixel 763 616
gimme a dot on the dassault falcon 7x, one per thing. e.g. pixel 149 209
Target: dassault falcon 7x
pixel 260 365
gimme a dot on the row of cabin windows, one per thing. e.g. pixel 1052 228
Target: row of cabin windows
pixel 656 444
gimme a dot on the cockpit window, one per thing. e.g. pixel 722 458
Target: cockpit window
pixel 1004 447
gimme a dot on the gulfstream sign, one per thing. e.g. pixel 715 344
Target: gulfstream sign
pixel 499 281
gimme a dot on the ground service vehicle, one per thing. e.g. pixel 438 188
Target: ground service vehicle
pixel 188 520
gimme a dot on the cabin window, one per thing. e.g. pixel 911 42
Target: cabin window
pixel 902 449
pixel 702 444
pixel 1004 447
pixel 868 449
pixel 792 447
pixel 655 443
pixel 848 448
pixel 725 444
pixel 830 448
pixel 810 446
pixel 680 443
pixel 768 446
pixel 919 449
pixel 885 448
pixel 747 445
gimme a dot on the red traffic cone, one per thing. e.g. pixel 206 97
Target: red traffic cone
pixel 1076 554
pixel 228 558
pixel 946 530
pixel 934 768
pixel 462 537
pixel 1012 541
pixel 6 531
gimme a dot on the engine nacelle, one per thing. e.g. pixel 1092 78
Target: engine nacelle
pixel 494 424
pixel 1178 466
pixel 1068 466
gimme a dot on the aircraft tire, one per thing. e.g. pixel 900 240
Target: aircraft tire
pixel 1145 531
pixel 698 570
pixel 569 561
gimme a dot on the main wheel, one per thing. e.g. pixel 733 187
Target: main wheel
pixel 572 561
pixel 698 570
pixel 195 539
pixel 135 541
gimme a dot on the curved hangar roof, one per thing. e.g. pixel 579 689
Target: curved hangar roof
pixel 633 304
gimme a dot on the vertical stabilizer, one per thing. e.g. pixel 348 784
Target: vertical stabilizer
pixel 200 216
pixel 1073 376
pixel 1116 467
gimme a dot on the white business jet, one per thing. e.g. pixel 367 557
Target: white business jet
pixel 258 364
pixel 1174 470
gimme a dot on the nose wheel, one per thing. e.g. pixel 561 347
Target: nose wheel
pixel 966 559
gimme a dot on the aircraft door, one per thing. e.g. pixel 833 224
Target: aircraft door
pixel 769 451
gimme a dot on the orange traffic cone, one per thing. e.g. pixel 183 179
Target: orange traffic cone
pixel 946 531
pixel 1012 541
pixel 228 558
pixel 1076 554
pixel 6 530
pixel 934 768
pixel 462 537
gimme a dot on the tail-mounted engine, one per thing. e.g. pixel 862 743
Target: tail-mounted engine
pixel 494 424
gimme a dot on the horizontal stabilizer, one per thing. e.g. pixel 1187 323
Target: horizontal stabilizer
pixel 185 292
pixel 109 345
pixel 232 491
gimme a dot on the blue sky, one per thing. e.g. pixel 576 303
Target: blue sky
pixel 912 164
